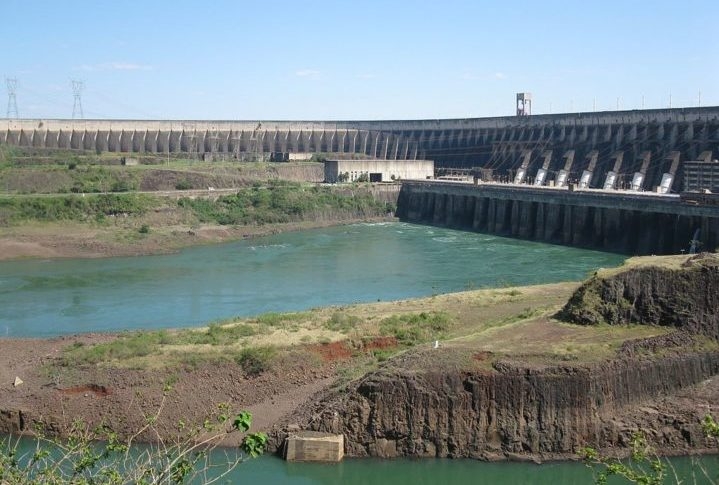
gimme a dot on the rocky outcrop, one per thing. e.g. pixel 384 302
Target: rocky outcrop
pixel 683 297
pixel 513 410
pixel 519 408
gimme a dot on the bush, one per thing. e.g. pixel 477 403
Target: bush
pixel 100 456
pixel 144 229
pixel 183 185
pixel 256 360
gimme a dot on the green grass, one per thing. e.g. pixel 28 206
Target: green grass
pixel 341 322
pixel 413 329
pixel 130 346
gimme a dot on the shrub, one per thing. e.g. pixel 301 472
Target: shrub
pixel 183 185
pixel 256 360
pixel 100 456
pixel 144 229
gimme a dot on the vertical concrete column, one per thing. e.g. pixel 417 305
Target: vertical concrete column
pixel 450 210
pixel 440 209
pixel 554 217
pixel 514 217
pixel 492 215
pixel 567 224
pixel 479 222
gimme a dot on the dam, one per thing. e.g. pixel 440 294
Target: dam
pixel 616 221
pixel 572 146
pixel 605 180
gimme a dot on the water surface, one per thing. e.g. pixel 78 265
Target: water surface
pixel 286 272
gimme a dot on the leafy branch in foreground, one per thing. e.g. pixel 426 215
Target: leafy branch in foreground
pixel 99 456
pixel 644 467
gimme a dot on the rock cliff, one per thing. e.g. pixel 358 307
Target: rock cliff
pixel 517 407
pixel 684 297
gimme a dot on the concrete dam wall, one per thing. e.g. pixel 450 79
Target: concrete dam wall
pixel 653 142
pixel 637 224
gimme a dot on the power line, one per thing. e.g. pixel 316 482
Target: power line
pixel 77 87
pixel 11 97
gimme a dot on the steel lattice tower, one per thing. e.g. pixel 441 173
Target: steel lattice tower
pixel 11 97
pixel 77 87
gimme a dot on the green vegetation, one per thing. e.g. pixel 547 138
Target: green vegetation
pixel 283 202
pixel 644 466
pixel 99 456
pixel 72 207
pixel 413 329
pixel 256 360
pixel 342 322
pixel 183 185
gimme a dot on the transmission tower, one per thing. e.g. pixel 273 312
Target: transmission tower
pixel 77 87
pixel 11 98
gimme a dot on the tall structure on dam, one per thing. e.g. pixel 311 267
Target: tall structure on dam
pixel 620 149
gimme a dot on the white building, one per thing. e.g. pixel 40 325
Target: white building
pixel 377 170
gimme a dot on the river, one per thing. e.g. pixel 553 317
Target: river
pixel 293 272
pixel 286 272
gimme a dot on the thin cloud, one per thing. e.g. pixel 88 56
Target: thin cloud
pixel 367 76
pixel 116 66
pixel 500 75
pixel 308 73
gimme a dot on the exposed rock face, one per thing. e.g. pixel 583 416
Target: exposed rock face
pixel 686 298
pixel 511 410
pixel 518 409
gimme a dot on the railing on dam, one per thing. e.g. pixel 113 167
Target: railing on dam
pixel 623 222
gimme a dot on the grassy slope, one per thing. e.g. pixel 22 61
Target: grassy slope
pixel 506 322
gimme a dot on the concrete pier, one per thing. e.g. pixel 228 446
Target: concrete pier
pixel 314 446
pixel 623 222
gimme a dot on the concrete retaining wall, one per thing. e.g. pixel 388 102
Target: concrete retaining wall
pixel 636 224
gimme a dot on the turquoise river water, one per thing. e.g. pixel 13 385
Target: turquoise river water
pixel 292 272
pixel 287 272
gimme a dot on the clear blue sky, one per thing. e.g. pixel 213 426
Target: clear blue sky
pixel 336 59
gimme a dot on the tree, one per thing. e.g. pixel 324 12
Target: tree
pixel 99 456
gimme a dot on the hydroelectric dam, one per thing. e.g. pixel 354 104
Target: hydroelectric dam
pixel 523 166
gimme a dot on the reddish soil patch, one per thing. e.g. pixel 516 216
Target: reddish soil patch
pixel 100 391
pixel 333 351
pixel 380 343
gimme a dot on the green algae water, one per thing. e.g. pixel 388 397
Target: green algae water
pixel 703 470
pixel 286 272
pixel 451 472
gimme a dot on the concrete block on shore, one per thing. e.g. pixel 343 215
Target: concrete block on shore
pixel 314 446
